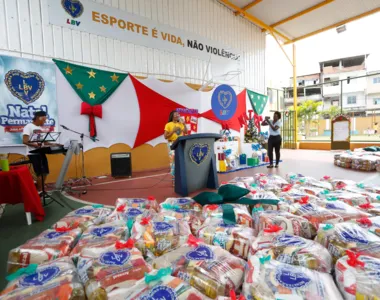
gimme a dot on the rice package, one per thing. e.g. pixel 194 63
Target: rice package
pixel 210 269
pixel 184 203
pixel 292 224
pixel 142 203
pixel 84 217
pixel 159 287
pixel 47 246
pixel 97 237
pixel 155 238
pixel 347 212
pixel 345 196
pixel 268 279
pixel 235 239
pixel 118 267
pixel 348 236
pixel 242 215
pixel 357 277
pixel 293 250
pixel 57 279
pixel 317 215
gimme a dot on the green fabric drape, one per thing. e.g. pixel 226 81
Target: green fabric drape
pixel 258 101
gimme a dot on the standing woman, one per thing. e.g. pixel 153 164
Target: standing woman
pixel 173 130
pixel 275 138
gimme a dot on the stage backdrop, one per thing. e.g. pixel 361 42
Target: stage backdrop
pixel 26 86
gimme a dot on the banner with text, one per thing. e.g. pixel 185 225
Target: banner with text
pixel 26 86
pixel 190 117
pixel 88 16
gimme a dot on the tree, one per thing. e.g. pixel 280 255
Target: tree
pixel 331 112
pixel 308 111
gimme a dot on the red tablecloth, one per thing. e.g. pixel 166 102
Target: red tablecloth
pixel 17 186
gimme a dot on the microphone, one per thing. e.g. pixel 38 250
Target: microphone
pixel 64 127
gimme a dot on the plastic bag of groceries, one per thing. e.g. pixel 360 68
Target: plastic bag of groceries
pixel 350 198
pixel 235 183
pixel 210 269
pixel 270 179
pixel 299 179
pixel 49 245
pixel 297 196
pixel 97 237
pixel 234 238
pixel 242 215
pixel 371 224
pixel 158 284
pixel 340 237
pixel 129 215
pixel 316 215
pixel 346 157
pixel 338 184
pixel 173 212
pixel 372 197
pixel 268 279
pixel 84 217
pixel 155 238
pixel 248 181
pixel 57 279
pixel 293 250
pixel 142 203
pixel 291 224
pixel 311 190
pixel 264 199
pixel 370 208
pixel 118 267
pixel 184 203
pixel 346 211
pixel 357 276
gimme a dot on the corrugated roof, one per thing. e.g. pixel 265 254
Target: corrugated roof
pixel 302 18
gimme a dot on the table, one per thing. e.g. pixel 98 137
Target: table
pixel 17 186
pixel 14 149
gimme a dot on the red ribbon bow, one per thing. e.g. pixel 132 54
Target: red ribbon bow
pixel 366 206
pixel 63 229
pixel 353 259
pixel 326 177
pixel 258 119
pixel 193 241
pixel 253 192
pixel 92 112
pixel 127 245
pixel 364 221
pixel 212 206
pixel 145 221
pixel 151 198
pixel 120 208
pixel 304 200
pixel 233 296
pixel 263 181
pixel 287 188
pixel 341 185
pixel 273 228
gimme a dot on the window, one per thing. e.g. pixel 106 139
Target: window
pixel 376 101
pixel 351 100
pixel 376 80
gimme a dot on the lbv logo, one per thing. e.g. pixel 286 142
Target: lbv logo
pixel 74 8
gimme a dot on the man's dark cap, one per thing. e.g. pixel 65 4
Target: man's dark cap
pixel 40 113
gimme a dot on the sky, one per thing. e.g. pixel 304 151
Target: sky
pixel 361 36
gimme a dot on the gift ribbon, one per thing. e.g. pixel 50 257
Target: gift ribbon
pixel 253 185
pixel 193 241
pixel 127 245
pixel 234 297
pixel 264 259
pixel 92 112
pixel 302 180
pixel 63 229
pixel 97 205
pixel 353 259
pixel 360 185
pixel 170 206
pixel 287 188
pixel 31 269
pixel 130 225
pixel 378 197
pixel 212 207
pixel 366 206
pixel 325 192
pixel 120 208
pixel 151 198
pixel 160 273
pixel 273 228
pixel 331 198
pixel 257 209
pixel 304 200
pixel 364 221
pixel 327 226
pixel 326 177
pixel 341 185
pixel 292 177
pixel 145 221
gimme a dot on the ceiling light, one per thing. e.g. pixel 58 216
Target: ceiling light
pixel 341 29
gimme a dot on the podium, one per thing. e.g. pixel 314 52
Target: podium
pixel 195 164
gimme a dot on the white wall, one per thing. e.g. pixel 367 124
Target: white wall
pixel 25 32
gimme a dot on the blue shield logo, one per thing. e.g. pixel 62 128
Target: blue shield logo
pixel 162 292
pixel 115 258
pixel 199 153
pixel 224 102
pixel 292 278
pixel 73 7
pixel 40 277
pixel 162 226
pixel 200 253
pixel 102 231
pixel 84 211
pixel 27 87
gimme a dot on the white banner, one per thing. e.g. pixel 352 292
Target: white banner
pixel 88 16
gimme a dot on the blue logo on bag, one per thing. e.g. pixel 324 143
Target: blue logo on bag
pixel 354 235
pixel 73 7
pixel 224 225
pixel 334 206
pixel 115 258
pixel 183 201
pixel 84 211
pixel 162 226
pixel 133 212
pixel 138 201
pixel 53 235
pixel 290 240
pixel 181 210
pixel 224 102
pixel 291 278
pixel 200 253
pixel 199 153
pixel 102 231
pixel 40 277
pixel 27 87
pixel 162 292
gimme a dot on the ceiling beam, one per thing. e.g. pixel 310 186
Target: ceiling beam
pixel 368 13
pixel 254 20
pixel 248 6
pixel 301 13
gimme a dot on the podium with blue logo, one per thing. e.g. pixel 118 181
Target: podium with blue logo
pixel 195 163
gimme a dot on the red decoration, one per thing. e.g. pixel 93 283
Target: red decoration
pixel 258 119
pixel 128 244
pixel 152 124
pixel 272 228
pixel 364 221
pixel 121 208
pixel 92 112
pixel 366 206
pixel 234 122
pixel 145 221
pixel 193 241
pixel 63 229
pixel 353 259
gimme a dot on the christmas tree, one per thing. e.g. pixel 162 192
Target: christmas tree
pixel 251 133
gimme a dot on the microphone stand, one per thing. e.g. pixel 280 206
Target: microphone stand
pixel 83 180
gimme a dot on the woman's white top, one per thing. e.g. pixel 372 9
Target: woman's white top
pixel 275 132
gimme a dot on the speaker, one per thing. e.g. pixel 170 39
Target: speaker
pixel 121 164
